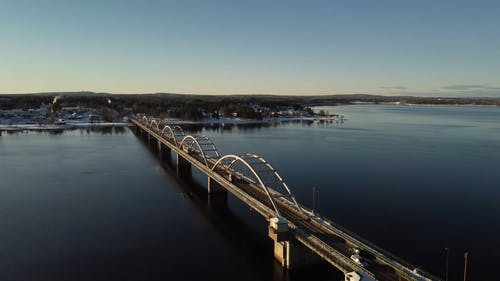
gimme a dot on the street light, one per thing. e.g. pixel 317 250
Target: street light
pixel 447 259
pixel 315 193
pixel 465 266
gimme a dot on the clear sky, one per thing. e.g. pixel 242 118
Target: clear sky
pixel 418 47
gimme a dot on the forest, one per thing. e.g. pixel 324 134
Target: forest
pixel 194 107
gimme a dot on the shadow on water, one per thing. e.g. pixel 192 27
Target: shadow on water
pixel 251 243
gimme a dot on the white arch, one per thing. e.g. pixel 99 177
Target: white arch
pixel 172 133
pixel 155 123
pixel 145 120
pixel 236 158
pixel 193 139
pixel 278 176
pixel 208 147
pixel 169 129
pixel 201 142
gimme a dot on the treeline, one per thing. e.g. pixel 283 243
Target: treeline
pixel 197 106
pixel 192 107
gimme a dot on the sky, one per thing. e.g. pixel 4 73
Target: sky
pixel 309 47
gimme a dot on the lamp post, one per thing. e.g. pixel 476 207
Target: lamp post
pixel 465 266
pixel 314 200
pixel 447 259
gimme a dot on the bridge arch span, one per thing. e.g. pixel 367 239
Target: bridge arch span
pixel 206 147
pixel 154 124
pixel 169 133
pixel 172 133
pixel 252 162
pixel 145 120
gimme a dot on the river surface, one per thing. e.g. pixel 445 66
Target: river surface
pixel 103 205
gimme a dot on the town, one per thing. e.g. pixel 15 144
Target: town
pixel 79 111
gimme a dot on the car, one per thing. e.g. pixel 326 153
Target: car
pixel 359 260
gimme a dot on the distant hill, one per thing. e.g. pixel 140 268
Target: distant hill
pixel 172 99
pixel 52 94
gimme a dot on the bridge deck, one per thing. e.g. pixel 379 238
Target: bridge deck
pixel 323 237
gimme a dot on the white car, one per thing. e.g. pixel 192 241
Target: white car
pixel 359 260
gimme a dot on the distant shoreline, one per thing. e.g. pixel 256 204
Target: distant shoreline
pixel 410 104
pixel 242 121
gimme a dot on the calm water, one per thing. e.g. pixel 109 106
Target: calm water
pixel 86 205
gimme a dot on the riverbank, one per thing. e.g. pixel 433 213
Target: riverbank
pixel 54 127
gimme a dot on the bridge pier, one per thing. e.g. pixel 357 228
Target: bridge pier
pixel 287 251
pixel 183 166
pixel 217 195
pixel 164 150
pixel 139 131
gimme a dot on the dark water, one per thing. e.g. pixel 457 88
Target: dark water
pixel 102 206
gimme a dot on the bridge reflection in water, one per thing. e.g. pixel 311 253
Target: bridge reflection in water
pixel 300 236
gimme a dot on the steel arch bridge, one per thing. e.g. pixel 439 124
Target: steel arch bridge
pixel 256 182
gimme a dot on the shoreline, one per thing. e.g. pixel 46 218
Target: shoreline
pixel 205 122
pixel 54 127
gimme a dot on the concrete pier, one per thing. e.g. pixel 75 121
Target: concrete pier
pixel 183 166
pixel 215 187
pixel 150 139
pixel 217 195
pixel 164 153
pixel 163 149
pixel 289 253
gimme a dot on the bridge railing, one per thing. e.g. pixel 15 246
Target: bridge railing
pixel 405 265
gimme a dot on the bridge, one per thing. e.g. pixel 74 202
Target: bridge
pixel 300 236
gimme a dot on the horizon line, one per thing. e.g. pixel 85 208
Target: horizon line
pixel 408 95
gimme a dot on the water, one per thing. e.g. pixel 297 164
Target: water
pixel 86 205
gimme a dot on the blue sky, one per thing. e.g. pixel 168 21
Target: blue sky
pixel 436 48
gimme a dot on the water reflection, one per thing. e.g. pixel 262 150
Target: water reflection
pixel 102 130
pixel 228 127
